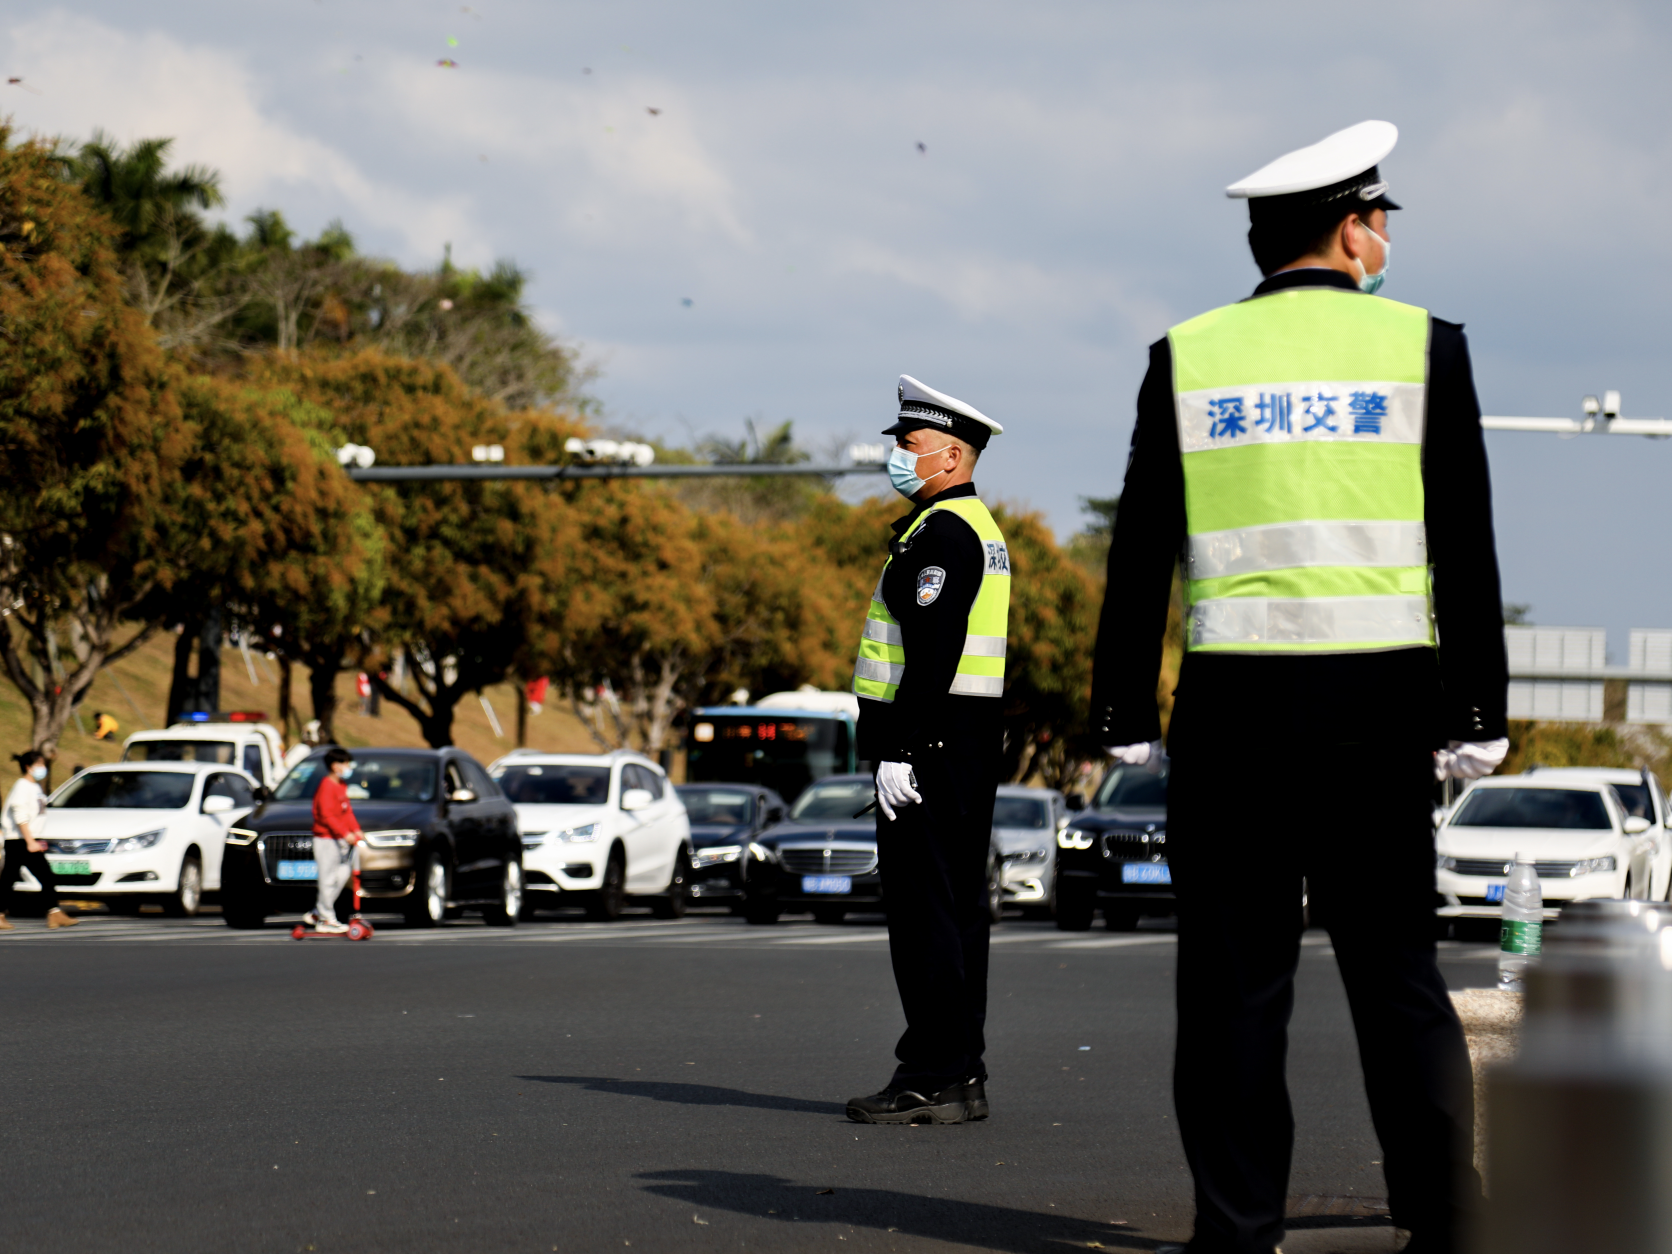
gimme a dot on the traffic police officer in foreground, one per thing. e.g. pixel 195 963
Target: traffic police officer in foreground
pixel 930 675
pixel 1314 452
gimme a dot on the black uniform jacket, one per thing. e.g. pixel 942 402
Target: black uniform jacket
pixel 926 724
pixel 1458 694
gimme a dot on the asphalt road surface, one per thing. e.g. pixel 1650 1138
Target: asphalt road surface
pixel 568 1086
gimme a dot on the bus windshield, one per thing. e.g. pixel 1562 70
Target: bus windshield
pixel 784 752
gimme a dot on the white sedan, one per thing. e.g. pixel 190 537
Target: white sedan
pixel 597 829
pixel 127 834
pixel 1585 842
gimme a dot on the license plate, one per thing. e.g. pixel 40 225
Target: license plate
pixel 1494 892
pixel 69 868
pixel 299 870
pixel 827 883
pixel 1146 873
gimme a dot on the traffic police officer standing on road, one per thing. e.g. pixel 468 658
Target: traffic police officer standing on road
pixel 1315 454
pixel 930 675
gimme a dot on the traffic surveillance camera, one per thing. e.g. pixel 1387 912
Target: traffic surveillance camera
pixel 355 455
pixel 1611 404
pixel 1591 407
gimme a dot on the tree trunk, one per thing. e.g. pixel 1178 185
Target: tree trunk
pixel 323 670
pixel 284 696
pixel 209 662
pixel 522 712
pixel 434 709
pixel 182 690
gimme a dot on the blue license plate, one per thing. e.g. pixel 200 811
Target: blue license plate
pixel 1494 892
pixel 826 884
pixel 1146 873
pixel 299 870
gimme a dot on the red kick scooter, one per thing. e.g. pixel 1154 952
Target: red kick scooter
pixel 358 928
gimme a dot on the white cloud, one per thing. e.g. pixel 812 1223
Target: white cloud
pixel 216 108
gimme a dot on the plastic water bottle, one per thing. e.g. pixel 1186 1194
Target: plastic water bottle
pixel 1521 939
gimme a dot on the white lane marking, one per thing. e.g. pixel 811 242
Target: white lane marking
pixel 834 940
pixel 1117 942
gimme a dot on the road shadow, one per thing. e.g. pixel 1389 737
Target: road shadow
pixel 957 1222
pixel 692 1094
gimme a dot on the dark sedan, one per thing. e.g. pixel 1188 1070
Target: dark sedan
pixel 440 836
pixel 1113 853
pixel 823 859
pixel 726 821
pixel 820 858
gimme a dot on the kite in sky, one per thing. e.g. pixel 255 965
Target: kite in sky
pixel 448 62
pixel 652 112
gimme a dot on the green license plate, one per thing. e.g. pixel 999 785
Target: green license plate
pixel 60 867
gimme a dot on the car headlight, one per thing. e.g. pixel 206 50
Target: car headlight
pixel 762 853
pixel 717 855
pixel 1445 863
pixel 580 835
pixel 133 844
pixel 1605 864
pixel 241 836
pixel 533 840
pixel 1074 838
pixel 394 838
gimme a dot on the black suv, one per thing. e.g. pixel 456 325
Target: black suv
pixel 440 836
pixel 1114 853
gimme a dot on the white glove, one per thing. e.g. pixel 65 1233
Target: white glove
pixel 1145 753
pixel 1469 759
pixel 896 787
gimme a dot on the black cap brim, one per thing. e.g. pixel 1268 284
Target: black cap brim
pixel 968 430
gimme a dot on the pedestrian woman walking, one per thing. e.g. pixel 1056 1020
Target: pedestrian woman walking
pixel 21 821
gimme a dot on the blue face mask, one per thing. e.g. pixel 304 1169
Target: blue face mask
pixel 1372 283
pixel 902 470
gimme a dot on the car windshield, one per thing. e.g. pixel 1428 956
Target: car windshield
pixel 1132 788
pixel 1533 807
pixel 1634 800
pixel 717 806
pixel 1020 812
pixel 833 801
pixel 376 777
pixel 222 751
pixel 555 785
pixel 127 790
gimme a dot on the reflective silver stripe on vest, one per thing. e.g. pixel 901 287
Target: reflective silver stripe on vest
pixel 1275 546
pixel 886 633
pixel 882 672
pixel 983 646
pixel 978 685
pixel 1314 620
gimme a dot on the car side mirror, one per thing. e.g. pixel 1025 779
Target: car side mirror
pixel 262 792
pixel 217 805
pixel 635 799
pixel 461 795
pixel 775 815
pixel 1636 825
pixel 1076 801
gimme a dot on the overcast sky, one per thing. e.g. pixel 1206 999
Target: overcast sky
pixel 1066 206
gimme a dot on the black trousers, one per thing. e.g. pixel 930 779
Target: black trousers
pixel 18 857
pixel 1244 828
pixel 933 861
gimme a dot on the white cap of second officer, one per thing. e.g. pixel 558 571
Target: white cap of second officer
pixel 1335 168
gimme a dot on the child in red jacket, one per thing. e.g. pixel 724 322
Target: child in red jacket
pixel 335 831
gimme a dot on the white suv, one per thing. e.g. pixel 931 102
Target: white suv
pixel 596 829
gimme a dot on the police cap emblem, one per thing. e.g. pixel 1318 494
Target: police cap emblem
pixel 930 581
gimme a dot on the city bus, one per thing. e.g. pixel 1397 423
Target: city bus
pixel 784 741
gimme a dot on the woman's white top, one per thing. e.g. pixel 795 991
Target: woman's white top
pixel 24 804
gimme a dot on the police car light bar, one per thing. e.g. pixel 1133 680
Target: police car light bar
pixel 410 474
pixel 223 716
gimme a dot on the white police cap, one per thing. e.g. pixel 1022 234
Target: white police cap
pixel 922 406
pixel 1336 167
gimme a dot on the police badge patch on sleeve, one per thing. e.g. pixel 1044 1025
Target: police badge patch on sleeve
pixel 930 581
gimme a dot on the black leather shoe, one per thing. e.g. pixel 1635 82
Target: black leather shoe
pixel 895 1105
pixel 975 1097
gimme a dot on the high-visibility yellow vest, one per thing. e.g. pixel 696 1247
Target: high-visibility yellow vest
pixel 1300 419
pixel 882 652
